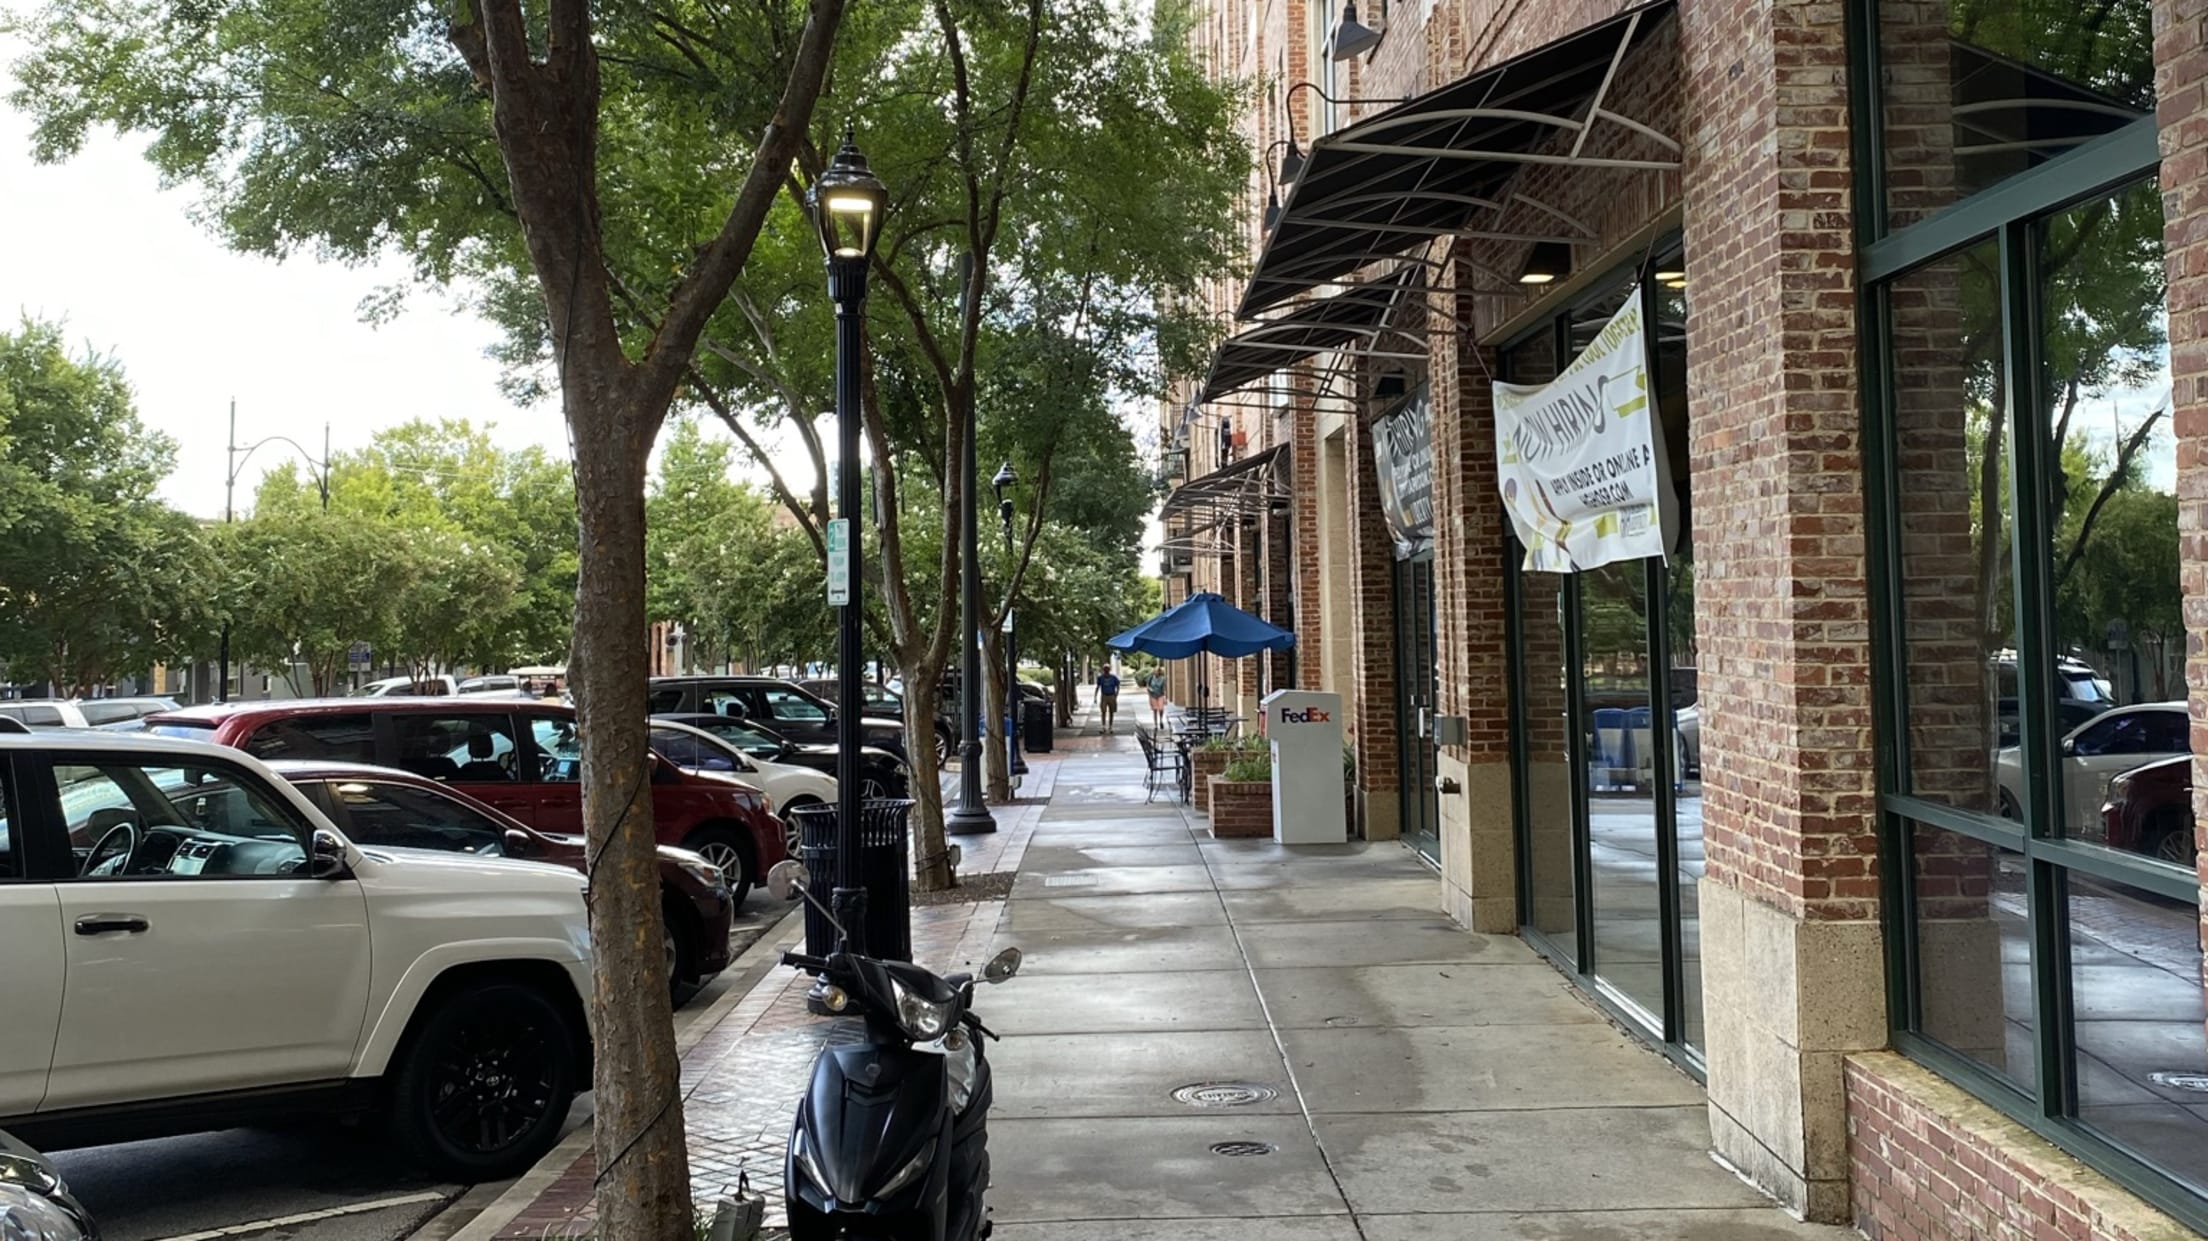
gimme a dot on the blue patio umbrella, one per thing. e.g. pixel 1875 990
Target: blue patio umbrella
pixel 1203 623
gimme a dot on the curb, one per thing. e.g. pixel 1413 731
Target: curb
pixel 754 971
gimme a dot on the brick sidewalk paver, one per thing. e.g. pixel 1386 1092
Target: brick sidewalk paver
pixel 743 1079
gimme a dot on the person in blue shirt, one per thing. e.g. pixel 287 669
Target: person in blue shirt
pixel 1107 695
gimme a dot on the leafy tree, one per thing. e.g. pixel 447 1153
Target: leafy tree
pixel 744 588
pixel 544 144
pixel 300 586
pixel 98 579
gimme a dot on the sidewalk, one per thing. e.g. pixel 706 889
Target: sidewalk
pixel 1341 1029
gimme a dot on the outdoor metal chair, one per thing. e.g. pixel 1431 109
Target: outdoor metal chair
pixel 1159 759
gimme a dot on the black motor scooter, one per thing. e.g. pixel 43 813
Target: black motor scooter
pixel 891 1140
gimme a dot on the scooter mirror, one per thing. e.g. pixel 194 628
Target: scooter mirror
pixel 1001 966
pixel 786 881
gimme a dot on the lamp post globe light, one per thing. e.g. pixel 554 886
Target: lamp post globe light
pixel 1014 764
pixel 848 202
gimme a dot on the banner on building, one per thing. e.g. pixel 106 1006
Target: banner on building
pixel 1581 458
pixel 1403 458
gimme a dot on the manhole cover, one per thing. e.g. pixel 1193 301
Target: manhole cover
pixel 2181 1081
pixel 1236 1150
pixel 1225 1094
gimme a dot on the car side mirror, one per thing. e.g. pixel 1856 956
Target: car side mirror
pixel 518 844
pixel 326 857
pixel 2069 746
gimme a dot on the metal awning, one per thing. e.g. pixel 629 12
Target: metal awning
pixel 1422 169
pixel 1354 321
pixel 1201 514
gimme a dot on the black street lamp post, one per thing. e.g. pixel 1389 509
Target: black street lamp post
pixel 1015 765
pixel 848 203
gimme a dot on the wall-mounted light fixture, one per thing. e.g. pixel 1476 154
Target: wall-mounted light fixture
pixel 1547 263
pixel 1353 38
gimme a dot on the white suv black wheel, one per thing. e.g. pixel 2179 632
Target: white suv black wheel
pixel 485 1083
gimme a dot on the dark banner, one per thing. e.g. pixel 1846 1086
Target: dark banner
pixel 1403 457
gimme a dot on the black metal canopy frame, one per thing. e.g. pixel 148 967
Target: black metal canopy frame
pixel 1202 515
pixel 1433 166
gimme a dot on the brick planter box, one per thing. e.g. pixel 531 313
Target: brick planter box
pixel 1241 808
pixel 1203 764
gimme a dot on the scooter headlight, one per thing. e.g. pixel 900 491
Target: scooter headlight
pixel 924 1019
pixel 910 1172
pixel 33 1217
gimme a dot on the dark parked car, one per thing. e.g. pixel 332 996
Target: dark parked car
pixel 882 773
pixel 521 757
pixel 34 1203
pixel 392 809
pixel 886 704
pixel 785 706
pixel 2150 810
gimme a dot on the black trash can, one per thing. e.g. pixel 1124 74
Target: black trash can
pixel 1037 722
pixel 885 860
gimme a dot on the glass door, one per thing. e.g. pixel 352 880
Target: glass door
pixel 1416 691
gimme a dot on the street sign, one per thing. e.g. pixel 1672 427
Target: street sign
pixel 1008 620
pixel 359 657
pixel 839 562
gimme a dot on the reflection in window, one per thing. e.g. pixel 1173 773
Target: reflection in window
pixel 1977 91
pixel 1957 592
pixel 1974 972
pixel 2106 412
pixel 2142 1057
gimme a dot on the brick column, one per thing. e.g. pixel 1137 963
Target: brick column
pixel 1308 578
pixel 1478 842
pixel 2181 86
pixel 1791 951
pixel 1279 594
pixel 1249 595
pixel 1371 700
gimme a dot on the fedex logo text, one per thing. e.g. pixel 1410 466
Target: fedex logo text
pixel 1309 715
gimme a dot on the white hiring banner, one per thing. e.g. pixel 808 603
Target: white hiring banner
pixel 1581 469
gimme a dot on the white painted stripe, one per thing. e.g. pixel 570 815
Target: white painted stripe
pixel 309 1217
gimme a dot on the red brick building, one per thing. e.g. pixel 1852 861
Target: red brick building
pixel 1866 798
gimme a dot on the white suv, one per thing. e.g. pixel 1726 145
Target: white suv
pixel 187 944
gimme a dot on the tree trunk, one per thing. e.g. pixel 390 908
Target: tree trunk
pixel 995 758
pixel 643 1164
pixel 923 689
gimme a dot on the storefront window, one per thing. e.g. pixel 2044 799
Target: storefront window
pixel 2048 931
pixel 1977 91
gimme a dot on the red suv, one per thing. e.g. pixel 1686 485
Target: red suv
pixel 520 757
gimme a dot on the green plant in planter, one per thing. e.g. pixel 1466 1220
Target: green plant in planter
pixel 1255 768
pixel 1349 764
pixel 1236 745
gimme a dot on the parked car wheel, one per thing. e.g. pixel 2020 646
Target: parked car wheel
pixel 790 833
pixel 728 847
pixel 485 1084
pixel 945 745
pixel 2171 839
pixel 679 936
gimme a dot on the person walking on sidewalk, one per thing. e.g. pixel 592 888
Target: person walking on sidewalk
pixel 1156 686
pixel 1107 695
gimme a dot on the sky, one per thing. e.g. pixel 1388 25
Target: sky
pixel 97 244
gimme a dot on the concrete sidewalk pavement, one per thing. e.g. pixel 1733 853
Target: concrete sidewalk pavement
pixel 1233 1040
pixel 1355 1033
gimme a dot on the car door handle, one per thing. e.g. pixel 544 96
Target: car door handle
pixel 100 924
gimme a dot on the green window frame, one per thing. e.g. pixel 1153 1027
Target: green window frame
pixel 2009 215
